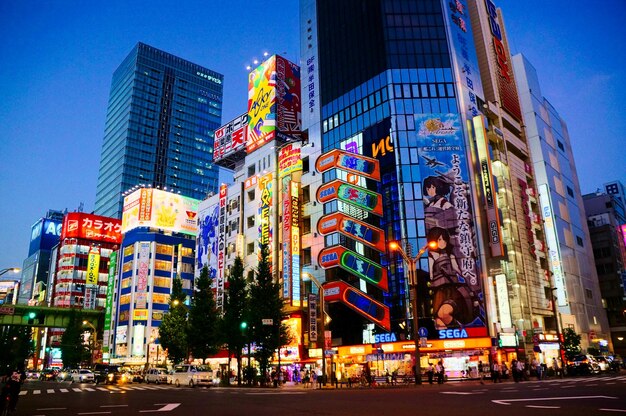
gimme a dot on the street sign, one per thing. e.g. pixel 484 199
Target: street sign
pixel 7 311
pixel 423 342
pixel 313 335
pixel 329 352
pixel 267 321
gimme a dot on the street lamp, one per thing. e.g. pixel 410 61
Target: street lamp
pixel 10 269
pixel 92 341
pixel 412 263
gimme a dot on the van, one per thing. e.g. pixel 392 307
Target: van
pixel 190 375
pixel 156 375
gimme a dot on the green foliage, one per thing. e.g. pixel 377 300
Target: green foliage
pixel 571 342
pixel 236 303
pixel 267 304
pixel 173 329
pixel 73 349
pixel 15 346
pixel 203 331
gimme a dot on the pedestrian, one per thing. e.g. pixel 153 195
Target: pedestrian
pixel 481 372
pixel 440 370
pixel 495 372
pixel 505 371
pixel 430 370
pixel 12 385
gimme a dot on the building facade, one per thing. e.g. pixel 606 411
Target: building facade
pixel 607 229
pixel 162 114
pixel 570 253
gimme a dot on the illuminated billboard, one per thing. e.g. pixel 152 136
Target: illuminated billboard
pixel 266 185
pixel 230 138
pixel 147 207
pixel 350 162
pixel 360 197
pixel 44 235
pixel 354 263
pixel 552 239
pixel 351 227
pixel 340 291
pixel 273 101
pixel 289 160
pixel 454 272
pixel 92 227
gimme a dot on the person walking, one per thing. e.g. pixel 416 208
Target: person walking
pixel 495 372
pixel 440 370
pixel 430 370
pixel 12 384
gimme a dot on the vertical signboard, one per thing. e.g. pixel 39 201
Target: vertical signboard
pixel 265 229
pixel 143 264
pixel 108 307
pixel 489 190
pixel 208 239
pixel 219 296
pixel 463 53
pixel 313 317
pixel 295 243
pixel 552 239
pixel 93 267
pixel 288 102
pixel 503 301
pixel 230 138
pixel 454 272
pixel 287 224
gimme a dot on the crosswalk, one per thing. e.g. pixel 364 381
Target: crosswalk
pixel 93 389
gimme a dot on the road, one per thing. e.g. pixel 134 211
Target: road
pixel 594 395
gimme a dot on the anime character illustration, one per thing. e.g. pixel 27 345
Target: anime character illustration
pixel 208 242
pixel 438 209
pixel 453 304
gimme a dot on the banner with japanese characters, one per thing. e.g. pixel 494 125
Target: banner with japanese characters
pixel 457 296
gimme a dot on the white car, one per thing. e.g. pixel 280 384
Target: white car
pixel 82 376
pixel 190 375
pixel 156 375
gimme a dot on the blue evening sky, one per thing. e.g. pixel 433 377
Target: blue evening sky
pixel 57 58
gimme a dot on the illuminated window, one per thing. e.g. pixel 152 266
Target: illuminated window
pixel 126 282
pixel 127 266
pixel 164 249
pixel 161 282
pixel 163 265
pixel 125 299
pixel 129 250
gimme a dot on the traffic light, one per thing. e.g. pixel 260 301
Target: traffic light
pixel 243 325
pixel 499 342
pixel 31 317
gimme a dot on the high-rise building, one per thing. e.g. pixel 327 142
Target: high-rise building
pixel 45 234
pixel 162 114
pixel 570 252
pixel 607 229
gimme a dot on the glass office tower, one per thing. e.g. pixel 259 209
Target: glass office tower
pixel 161 118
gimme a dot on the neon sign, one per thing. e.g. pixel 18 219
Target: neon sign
pixel 452 333
pixel 351 194
pixel 340 291
pixel 350 162
pixel 353 228
pixel 354 263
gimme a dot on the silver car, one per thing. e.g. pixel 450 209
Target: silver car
pixel 156 375
pixel 82 376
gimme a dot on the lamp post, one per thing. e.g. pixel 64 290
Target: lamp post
pixel 558 330
pixel 92 341
pixel 10 269
pixel 322 330
pixel 412 263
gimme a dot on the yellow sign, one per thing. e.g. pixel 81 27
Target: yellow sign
pixel 140 315
pixel 93 266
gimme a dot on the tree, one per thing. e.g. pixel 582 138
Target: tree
pixel 203 329
pixel 73 348
pixel 235 310
pixel 571 342
pixel 267 304
pixel 16 346
pixel 173 328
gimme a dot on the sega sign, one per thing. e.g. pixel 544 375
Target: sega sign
pixel 452 333
pixel 388 337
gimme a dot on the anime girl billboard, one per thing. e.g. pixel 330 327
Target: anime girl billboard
pixel 207 248
pixel 457 297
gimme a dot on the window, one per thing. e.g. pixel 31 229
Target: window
pixel 305 164
pixel 251 195
pixel 579 241
pixel 570 192
pixel 306 225
pixel 558 143
pixel 251 221
pixel 306 194
pixel 306 256
pixel 589 294
pixel 251 170
pixel 250 275
pixel 250 249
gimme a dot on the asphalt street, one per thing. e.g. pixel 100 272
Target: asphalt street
pixel 595 395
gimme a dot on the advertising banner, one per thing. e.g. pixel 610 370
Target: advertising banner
pixel 143 266
pixel 273 101
pixel 221 249
pixel 108 308
pixel 351 227
pixel 208 240
pixel 354 263
pixel 295 243
pixel 164 210
pixel 350 162
pixel 355 195
pixel 91 227
pixel 230 138
pixel 93 267
pixel 489 190
pixel 289 160
pixel 45 234
pixel 313 317
pixel 454 273
pixel 552 239
pixel 266 185
pixel 287 224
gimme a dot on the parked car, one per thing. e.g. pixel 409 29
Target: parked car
pixel 82 376
pixel 48 374
pixel 603 363
pixel 190 375
pixel 156 375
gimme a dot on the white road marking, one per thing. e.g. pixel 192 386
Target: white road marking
pixel 504 401
pixel 543 407
pixel 54 408
pixel 23 392
pixel 94 413
pixel 88 389
pixel 167 407
pixel 274 393
pixel 63 390
pixel 77 390
pixel 51 391
pixel 115 405
pixel 613 410
pixel 456 392
pixel 102 389
pixel 36 391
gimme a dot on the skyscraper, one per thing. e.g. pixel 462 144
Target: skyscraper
pixel 161 118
